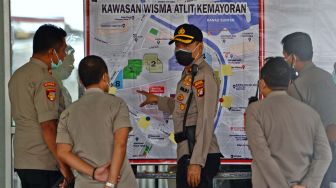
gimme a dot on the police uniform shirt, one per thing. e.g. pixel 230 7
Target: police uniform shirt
pixel 89 125
pixel 288 142
pixel 35 97
pixel 318 90
pixel 201 113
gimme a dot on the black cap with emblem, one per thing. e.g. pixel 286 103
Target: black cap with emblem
pixel 187 33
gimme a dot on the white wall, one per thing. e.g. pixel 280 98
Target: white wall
pixel 315 17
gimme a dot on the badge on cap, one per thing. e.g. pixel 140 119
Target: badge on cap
pixel 51 94
pixel 181 31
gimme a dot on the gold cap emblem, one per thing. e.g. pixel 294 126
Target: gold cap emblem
pixel 181 31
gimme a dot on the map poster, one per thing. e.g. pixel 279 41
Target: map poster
pixel 132 37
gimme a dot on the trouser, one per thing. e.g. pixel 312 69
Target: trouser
pixel 208 172
pixel 38 178
pixel 330 176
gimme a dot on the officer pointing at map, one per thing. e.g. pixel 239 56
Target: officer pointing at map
pixel 193 110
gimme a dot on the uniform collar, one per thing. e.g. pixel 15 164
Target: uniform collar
pixel 307 66
pixel 277 93
pixel 38 62
pixel 199 62
pixel 94 90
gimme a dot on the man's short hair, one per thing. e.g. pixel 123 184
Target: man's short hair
pixel 276 73
pixel 48 36
pixel 300 44
pixel 91 70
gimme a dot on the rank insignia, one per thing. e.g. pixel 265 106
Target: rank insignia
pixel 180 97
pixel 182 106
pixel 51 94
pixel 187 81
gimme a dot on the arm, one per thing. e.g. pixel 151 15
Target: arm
pixel 165 104
pixel 64 152
pixel 206 107
pixel 49 129
pixel 321 158
pixel 268 167
pixel 119 153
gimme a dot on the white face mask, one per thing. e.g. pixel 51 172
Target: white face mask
pixel 59 63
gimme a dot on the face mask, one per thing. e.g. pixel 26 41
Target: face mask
pixel 334 76
pixel 53 65
pixel 184 57
pixel 63 71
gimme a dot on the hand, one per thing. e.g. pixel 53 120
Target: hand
pixel 150 98
pixel 194 175
pixel 331 133
pixel 67 174
pixel 298 186
pixel 101 174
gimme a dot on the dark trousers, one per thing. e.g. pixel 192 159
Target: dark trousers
pixel 208 172
pixel 38 178
pixel 330 175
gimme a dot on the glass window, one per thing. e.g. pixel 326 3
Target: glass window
pixel 27 16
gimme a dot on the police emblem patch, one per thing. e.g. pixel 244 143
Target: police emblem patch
pixel 51 94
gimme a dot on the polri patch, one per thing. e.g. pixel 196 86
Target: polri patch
pixel 199 84
pixel 51 94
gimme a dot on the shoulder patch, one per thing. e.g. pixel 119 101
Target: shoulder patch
pixel 49 84
pixel 51 94
pixel 199 84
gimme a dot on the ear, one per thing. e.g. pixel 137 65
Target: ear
pixel 262 84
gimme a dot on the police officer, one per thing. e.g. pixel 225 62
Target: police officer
pixel 198 164
pixel 36 103
pixel 287 139
pixel 62 72
pixel 93 132
pixel 315 87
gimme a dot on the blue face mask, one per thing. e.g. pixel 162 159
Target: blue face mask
pixel 334 76
pixel 53 65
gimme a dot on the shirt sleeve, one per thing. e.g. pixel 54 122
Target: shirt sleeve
pixel 166 104
pixel 63 135
pixel 261 153
pixel 321 158
pixel 46 100
pixel 206 95
pixel 121 119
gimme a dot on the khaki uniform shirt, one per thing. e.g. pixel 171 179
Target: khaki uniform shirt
pixel 318 90
pixel 35 97
pixel 288 143
pixel 89 125
pixel 201 113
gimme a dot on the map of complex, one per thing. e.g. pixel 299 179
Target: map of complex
pixel 135 47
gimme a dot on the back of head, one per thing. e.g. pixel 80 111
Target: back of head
pixel 91 70
pixel 48 36
pixel 300 44
pixel 276 73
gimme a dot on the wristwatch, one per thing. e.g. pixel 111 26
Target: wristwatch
pixel 109 184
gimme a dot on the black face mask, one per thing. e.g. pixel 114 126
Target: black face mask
pixel 184 57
